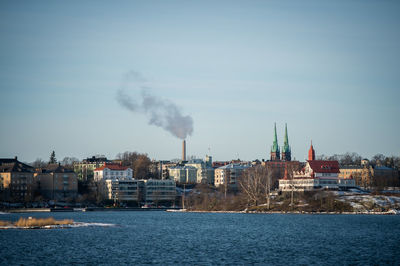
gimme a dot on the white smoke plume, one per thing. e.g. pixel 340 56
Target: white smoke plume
pixel 160 112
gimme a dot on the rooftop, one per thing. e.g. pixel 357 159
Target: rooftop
pixel 13 165
pixel 319 166
pixel 117 167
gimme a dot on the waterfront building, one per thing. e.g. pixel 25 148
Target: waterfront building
pixel 56 182
pixel 159 191
pixel 113 171
pixel 122 190
pixel 229 175
pixel 85 169
pixel 16 180
pixel 317 174
pixel 143 191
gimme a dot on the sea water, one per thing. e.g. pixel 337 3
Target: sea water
pixel 154 237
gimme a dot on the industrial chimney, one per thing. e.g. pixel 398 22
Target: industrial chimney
pixel 184 150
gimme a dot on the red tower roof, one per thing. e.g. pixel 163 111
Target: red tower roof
pixel 311 153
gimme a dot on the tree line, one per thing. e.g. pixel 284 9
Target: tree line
pixel 354 159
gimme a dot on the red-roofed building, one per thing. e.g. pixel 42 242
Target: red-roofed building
pixel 113 172
pixel 316 174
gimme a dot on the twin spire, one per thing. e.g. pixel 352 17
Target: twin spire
pixel 286 151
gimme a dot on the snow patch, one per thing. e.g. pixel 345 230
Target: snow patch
pixel 62 226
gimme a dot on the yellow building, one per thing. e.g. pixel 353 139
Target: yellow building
pixel 17 183
pixel 57 182
pixel 369 176
pixel 347 172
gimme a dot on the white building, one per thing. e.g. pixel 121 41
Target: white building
pixel 229 174
pixel 316 175
pixel 113 172
pixel 183 174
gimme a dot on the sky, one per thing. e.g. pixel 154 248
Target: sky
pixel 71 70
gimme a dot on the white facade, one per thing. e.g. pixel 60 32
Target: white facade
pixel 308 184
pixel 113 172
pixel 316 175
pixel 183 174
pixel 229 174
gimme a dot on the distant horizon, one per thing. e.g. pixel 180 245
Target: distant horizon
pixel 59 159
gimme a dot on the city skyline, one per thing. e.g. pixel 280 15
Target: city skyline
pixel 329 70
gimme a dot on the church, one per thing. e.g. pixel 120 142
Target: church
pixel 281 163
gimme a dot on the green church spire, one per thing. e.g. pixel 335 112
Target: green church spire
pixel 286 152
pixel 275 153
pixel 286 147
pixel 275 147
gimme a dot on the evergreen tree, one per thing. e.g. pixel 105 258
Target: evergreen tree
pixel 53 158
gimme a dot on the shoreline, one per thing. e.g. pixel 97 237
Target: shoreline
pixel 99 209
pixel 390 212
pixel 88 209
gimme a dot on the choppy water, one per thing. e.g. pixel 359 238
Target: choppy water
pixel 205 238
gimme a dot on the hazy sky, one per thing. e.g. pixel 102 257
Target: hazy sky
pixel 329 69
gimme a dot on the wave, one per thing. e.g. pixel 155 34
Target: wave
pixel 82 224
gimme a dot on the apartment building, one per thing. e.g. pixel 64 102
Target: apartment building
pixel 56 182
pixel 17 182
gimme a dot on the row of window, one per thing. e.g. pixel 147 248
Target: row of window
pixel 160 193
pixel 327 182
pixel 160 188
pixel 20 188
pixel 113 173
pixel 21 182
pixel 22 194
pixel 128 188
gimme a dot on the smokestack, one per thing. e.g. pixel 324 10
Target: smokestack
pixel 184 150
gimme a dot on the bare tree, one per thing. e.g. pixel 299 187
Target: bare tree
pixel 69 161
pixel 140 163
pixel 350 159
pixel 38 163
pixel 378 160
pixel 256 184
